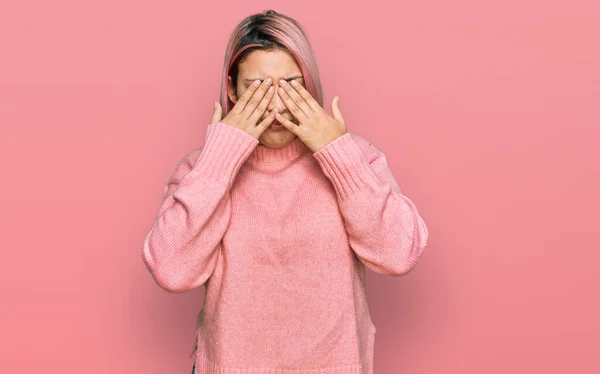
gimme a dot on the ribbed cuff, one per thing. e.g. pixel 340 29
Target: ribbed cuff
pixel 225 149
pixel 344 163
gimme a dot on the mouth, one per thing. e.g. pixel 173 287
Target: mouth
pixel 275 121
pixel 276 126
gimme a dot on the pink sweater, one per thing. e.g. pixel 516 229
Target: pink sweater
pixel 280 239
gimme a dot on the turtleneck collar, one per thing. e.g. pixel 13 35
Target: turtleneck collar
pixel 262 154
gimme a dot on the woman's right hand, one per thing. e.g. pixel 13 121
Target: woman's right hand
pixel 249 109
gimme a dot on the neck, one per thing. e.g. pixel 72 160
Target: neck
pixel 264 154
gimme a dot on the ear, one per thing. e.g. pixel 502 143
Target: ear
pixel 231 90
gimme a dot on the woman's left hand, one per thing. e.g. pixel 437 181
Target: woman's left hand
pixel 316 127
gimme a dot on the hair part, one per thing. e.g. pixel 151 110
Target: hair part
pixel 269 31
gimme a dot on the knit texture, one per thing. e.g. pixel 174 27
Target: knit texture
pixel 280 239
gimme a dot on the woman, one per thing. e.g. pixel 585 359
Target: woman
pixel 277 215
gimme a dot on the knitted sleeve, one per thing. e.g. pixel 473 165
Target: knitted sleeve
pixel 384 227
pixel 183 245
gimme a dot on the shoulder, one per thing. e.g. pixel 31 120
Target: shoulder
pixel 186 164
pixel 190 158
pixel 370 151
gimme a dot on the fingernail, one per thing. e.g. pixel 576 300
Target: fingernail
pixel 268 80
pixel 282 82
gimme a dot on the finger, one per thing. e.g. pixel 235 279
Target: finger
pixel 312 103
pixel 288 124
pixel 217 113
pixel 295 96
pixel 335 109
pixel 256 98
pixel 264 103
pixel 267 121
pixel 291 105
pixel 241 103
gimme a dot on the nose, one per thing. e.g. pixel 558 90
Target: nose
pixel 276 101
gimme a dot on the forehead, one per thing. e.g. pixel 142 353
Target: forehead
pixel 262 64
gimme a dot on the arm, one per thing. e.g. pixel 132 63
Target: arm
pixel 183 245
pixel 384 227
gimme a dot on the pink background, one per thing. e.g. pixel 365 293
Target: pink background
pixel 489 115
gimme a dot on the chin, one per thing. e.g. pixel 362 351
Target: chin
pixel 276 139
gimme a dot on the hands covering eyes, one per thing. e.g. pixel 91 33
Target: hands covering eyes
pixel 249 109
pixel 316 128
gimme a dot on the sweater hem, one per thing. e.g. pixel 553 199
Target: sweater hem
pixel 205 366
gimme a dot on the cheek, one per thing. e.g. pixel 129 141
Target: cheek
pixel 241 90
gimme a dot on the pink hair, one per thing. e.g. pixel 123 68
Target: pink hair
pixel 267 31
